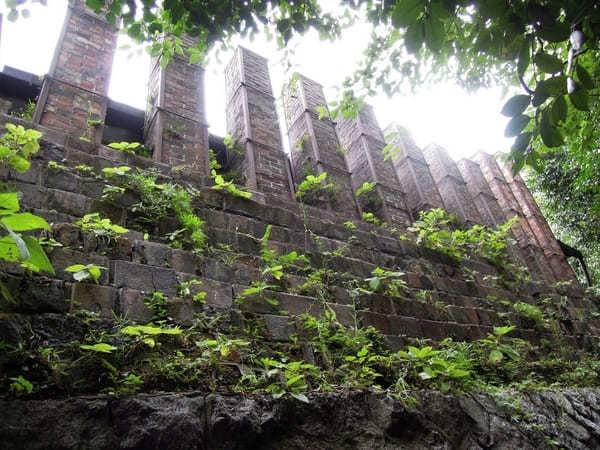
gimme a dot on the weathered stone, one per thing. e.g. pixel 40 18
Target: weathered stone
pixel 132 305
pixel 143 277
pixel 96 298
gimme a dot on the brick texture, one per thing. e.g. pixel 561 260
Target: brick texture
pixel 77 84
pixel 412 171
pixel 175 125
pixel 363 144
pixel 451 185
pixel 252 121
pixel 314 143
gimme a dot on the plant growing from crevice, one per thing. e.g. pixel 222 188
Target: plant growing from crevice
pixel 89 272
pixel 132 148
pixel 102 228
pixel 315 189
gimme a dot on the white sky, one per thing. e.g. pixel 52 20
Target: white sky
pixel 462 123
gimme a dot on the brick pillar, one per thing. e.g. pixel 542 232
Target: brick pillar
pixel 451 185
pixel 76 87
pixel 314 144
pixel 363 143
pixel 413 171
pixel 534 255
pixel 175 125
pixel 486 203
pixel 252 121
pixel 554 254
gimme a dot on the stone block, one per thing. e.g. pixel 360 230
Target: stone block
pixel 132 306
pixel 217 293
pixel 405 326
pixel 151 253
pixel 279 328
pixel 61 258
pixel 94 297
pixel 299 304
pixel 377 321
pixel 182 261
pixel 143 277
pixel 35 295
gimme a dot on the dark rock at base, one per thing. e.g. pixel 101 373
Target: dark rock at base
pixel 355 420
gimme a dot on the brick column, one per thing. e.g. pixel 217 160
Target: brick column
pixel 76 87
pixel 175 125
pixel 413 171
pixel 451 185
pixel 487 205
pixel 363 143
pixel 554 254
pixel 534 255
pixel 314 144
pixel 252 121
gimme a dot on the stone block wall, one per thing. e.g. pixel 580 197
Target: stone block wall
pixel 442 297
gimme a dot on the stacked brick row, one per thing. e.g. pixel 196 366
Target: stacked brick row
pixel 478 191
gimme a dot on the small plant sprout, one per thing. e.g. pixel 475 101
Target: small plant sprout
pixel 127 147
pixel 89 272
pixel 228 186
pixel 365 188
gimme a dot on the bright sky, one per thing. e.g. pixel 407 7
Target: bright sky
pixel 445 114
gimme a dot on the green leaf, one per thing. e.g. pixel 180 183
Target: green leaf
pixel 9 203
pixel 521 142
pixel 25 222
pixel 547 63
pixel 6 293
pixel 584 77
pixel 540 95
pixel 580 99
pixel 515 105
pixel 75 268
pixel 434 34
pixel 413 39
pixel 559 110
pixel 406 12
pixel 556 85
pixel 375 284
pixel 37 255
pixel 550 135
pixel 299 396
pixel 21 245
pixel 100 348
pixel 516 125
pixel 19 163
pixel 524 56
pixel 495 357
pixel 556 33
